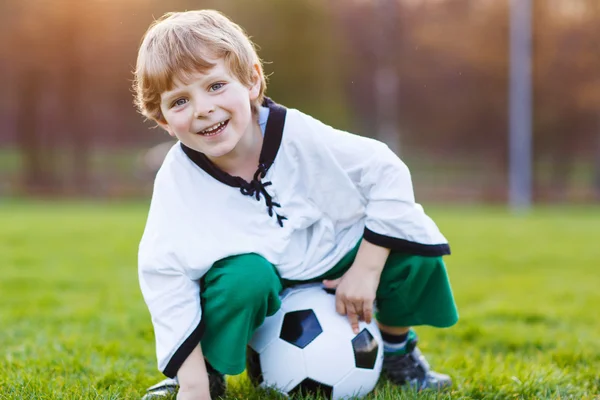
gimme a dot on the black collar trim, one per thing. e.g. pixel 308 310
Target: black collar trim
pixel 256 187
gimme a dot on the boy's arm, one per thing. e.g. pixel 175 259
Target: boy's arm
pixel 393 219
pixel 174 303
pixel 193 377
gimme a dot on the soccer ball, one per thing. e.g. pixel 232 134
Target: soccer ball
pixel 308 348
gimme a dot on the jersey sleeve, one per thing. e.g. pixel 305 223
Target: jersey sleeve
pixel 173 299
pixel 393 219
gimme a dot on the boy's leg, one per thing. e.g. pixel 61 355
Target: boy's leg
pixel 237 294
pixel 413 290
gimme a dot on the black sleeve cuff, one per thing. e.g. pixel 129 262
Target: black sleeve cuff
pixel 184 350
pixel 405 246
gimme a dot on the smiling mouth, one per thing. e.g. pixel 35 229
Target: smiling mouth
pixel 214 129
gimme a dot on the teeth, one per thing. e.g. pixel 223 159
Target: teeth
pixel 212 129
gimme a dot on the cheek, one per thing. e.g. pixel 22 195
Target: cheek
pixel 242 121
pixel 244 111
pixel 180 123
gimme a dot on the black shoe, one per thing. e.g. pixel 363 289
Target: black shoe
pixel 162 389
pixel 216 383
pixel 413 370
pixel 170 386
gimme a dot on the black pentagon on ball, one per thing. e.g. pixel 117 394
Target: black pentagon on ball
pixel 253 368
pixel 300 328
pixel 365 350
pixel 309 387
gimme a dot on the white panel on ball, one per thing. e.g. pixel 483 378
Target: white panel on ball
pixel 339 363
pixel 270 332
pixel 303 297
pixel 357 383
pixel 282 366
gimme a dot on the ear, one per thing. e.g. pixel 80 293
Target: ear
pixel 256 82
pixel 166 127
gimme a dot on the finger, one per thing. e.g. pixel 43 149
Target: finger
pixel 340 305
pixel 357 307
pixel 353 318
pixel 368 311
pixel 360 311
pixel 331 284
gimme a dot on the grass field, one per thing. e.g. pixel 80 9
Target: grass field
pixel 74 325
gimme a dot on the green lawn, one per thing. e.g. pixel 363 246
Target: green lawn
pixel 74 325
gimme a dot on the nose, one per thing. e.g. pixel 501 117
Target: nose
pixel 203 108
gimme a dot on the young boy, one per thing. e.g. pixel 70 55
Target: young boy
pixel 255 198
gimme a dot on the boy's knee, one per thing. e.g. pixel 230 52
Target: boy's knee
pixel 246 279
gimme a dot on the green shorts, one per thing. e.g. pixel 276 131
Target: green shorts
pixel 239 292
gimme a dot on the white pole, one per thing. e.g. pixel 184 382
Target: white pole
pixel 520 106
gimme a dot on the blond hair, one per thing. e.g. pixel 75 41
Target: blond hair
pixel 179 44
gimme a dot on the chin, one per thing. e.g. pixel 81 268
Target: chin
pixel 221 150
pixel 216 154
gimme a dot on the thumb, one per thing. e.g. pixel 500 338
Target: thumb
pixel 332 284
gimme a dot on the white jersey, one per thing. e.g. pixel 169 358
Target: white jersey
pixel 316 193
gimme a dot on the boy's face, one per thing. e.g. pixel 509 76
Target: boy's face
pixel 210 113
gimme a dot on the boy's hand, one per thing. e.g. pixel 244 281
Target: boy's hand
pixel 355 295
pixel 357 288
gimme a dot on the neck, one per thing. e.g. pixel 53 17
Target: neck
pixel 243 160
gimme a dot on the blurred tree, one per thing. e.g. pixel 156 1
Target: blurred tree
pixel 300 47
pixel 567 89
pixel 36 176
pixel 357 23
pixel 37 159
pixel 76 131
pixel 373 39
pixel 596 163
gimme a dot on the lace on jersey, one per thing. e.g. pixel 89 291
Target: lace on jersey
pixel 256 187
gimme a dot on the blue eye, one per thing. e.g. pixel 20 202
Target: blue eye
pixel 179 102
pixel 216 86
